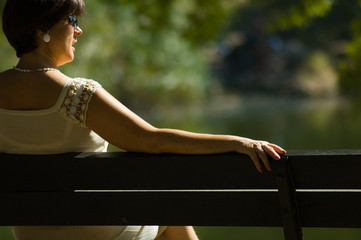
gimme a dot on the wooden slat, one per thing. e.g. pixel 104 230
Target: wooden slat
pixel 330 210
pixel 198 209
pixel 326 169
pixel 130 171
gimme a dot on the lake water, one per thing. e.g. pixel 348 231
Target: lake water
pixel 292 123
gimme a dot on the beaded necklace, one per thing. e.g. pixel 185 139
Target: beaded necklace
pixel 35 70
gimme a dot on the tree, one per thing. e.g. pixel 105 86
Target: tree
pixel 326 21
pixel 331 28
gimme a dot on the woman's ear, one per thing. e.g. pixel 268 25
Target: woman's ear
pixel 39 36
pixel 42 37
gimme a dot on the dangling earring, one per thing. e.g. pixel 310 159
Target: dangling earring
pixel 46 37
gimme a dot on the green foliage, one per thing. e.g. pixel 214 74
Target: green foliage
pixel 209 16
pixel 298 14
pixel 321 24
pixel 350 66
pixel 347 27
pixel 135 51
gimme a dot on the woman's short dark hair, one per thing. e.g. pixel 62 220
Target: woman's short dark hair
pixel 22 18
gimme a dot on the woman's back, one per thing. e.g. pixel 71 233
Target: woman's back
pixel 36 117
pixel 30 91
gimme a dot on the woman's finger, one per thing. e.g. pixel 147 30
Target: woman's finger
pixel 263 156
pixel 271 152
pixel 254 156
pixel 277 148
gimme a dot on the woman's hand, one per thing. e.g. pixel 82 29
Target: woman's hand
pixel 259 151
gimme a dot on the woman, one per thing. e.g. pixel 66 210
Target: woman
pixel 43 111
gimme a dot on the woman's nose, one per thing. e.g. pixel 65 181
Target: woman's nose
pixel 78 31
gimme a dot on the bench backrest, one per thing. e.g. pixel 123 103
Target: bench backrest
pixel 305 189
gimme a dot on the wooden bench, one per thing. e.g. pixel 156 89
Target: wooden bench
pixel 305 189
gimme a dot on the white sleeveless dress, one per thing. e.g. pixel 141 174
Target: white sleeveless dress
pixel 61 129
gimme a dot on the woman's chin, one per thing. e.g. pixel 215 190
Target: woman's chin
pixel 68 60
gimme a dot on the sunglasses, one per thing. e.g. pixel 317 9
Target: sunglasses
pixel 72 20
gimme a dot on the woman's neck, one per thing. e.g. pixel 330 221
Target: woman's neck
pixel 34 60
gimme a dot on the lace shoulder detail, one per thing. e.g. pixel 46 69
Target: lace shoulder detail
pixel 78 95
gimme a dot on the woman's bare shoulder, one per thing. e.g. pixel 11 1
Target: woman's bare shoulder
pixel 37 91
pixel 5 75
pixel 5 86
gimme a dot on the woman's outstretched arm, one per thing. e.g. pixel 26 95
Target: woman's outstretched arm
pixel 124 129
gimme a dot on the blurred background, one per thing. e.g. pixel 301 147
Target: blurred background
pixel 283 71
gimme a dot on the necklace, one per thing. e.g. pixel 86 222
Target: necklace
pixel 35 70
